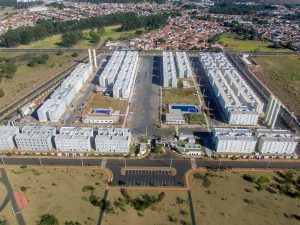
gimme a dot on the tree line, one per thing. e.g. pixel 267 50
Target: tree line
pixel 121 1
pixel 46 28
pixel 18 5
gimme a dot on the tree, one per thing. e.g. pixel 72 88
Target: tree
pixel 94 37
pixel 180 84
pixel 1 93
pixel 71 38
pixel 48 219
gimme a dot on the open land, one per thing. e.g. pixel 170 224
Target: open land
pixel 176 95
pixel 53 41
pixel 229 41
pixel 281 74
pixel 26 78
pixel 58 191
pixel 174 204
pixel 227 198
pixel 105 102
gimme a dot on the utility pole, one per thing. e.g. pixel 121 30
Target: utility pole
pixel 40 161
pixel 81 161
pixel 2 160
pixel 171 162
pixel 125 162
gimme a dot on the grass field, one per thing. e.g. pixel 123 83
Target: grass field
pixel 53 41
pixel 100 101
pixel 232 43
pixel 281 74
pixel 230 199
pixel 26 78
pixel 157 215
pixel 176 95
pixel 58 192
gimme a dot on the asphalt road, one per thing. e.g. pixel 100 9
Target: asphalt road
pixel 152 178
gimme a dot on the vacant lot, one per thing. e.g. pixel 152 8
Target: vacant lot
pixel 176 95
pixel 227 198
pixel 26 78
pixel 235 44
pixel 281 74
pixel 173 207
pixel 58 192
pixel 53 41
pixel 105 102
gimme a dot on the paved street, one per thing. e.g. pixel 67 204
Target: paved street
pixel 152 178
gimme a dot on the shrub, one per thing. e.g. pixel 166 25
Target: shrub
pixel 248 201
pixel 206 182
pixel 3 222
pixel 60 52
pixel 75 54
pixel 249 177
pixel 48 219
pixel 88 188
pixel 72 223
pixel 23 188
pixel 172 219
pixel 262 180
pixel 198 176
pixel 23 167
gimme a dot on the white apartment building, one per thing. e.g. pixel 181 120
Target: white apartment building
pixel 275 141
pixel 183 65
pixel 54 108
pixel 272 112
pixel 74 139
pixel 7 134
pixel 35 138
pixel 126 77
pixel 169 70
pixel 113 140
pixel 230 140
pixel 111 70
pixel 238 101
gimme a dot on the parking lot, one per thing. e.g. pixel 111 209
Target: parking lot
pixel 148 172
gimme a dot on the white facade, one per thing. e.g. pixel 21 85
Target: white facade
pixel 7 134
pixel 54 108
pixel 236 98
pixel 101 119
pixel 126 77
pixel 74 139
pixel 35 138
pixel 275 141
pixel 183 65
pixel 113 140
pixel 175 118
pixel 110 72
pixel 273 109
pixel 169 71
pixel 230 140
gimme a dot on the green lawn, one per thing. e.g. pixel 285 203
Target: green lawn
pixel 53 41
pixel 229 41
pixel 281 74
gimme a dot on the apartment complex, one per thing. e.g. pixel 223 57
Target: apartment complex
pixel 119 73
pixel 169 70
pixel 183 65
pixel 273 109
pixel 7 134
pixel 109 74
pixel 238 101
pixel 113 140
pixel 54 108
pixel 234 140
pixel 76 139
pixel 126 77
pixel 275 141
pixel 35 138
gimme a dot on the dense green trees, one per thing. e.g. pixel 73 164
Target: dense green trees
pixel 243 32
pixel 46 28
pixel 71 38
pixel 94 37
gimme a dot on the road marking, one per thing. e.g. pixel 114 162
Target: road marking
pixel 193 163
pixel 103 163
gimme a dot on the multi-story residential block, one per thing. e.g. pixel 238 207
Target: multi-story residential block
pixel 126 77
pixel 35 138
pixel 273 109
pixel 113 140
pixel 54 108
pixel 230 140
pixel 169 71
pixel 238 101
pixel 275 141
pixel 183 65
pixel 7 134
pixel 74 139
